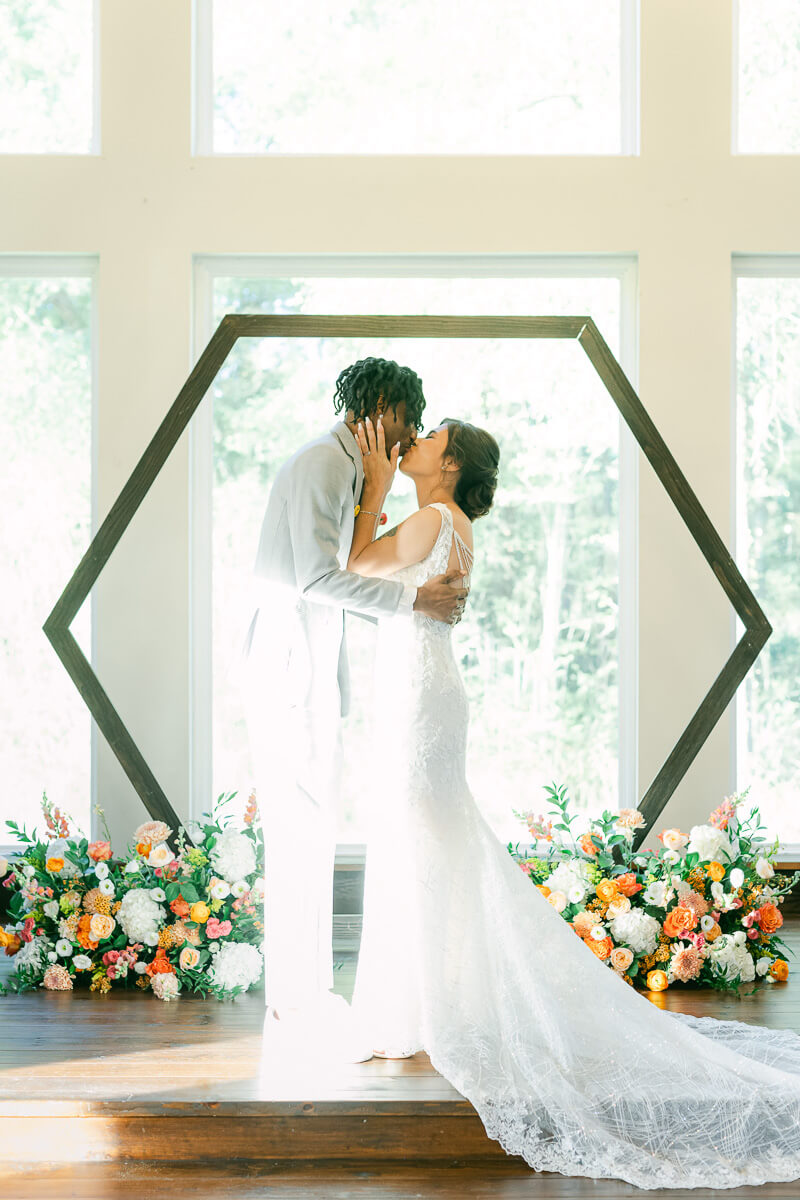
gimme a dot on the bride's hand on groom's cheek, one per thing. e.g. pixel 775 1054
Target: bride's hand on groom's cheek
pixel 379 468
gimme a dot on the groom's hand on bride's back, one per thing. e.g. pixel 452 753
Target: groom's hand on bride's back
pixel 441 599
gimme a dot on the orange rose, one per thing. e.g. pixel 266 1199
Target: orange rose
pixel 82 935
pixel 55 864
pixel 160 964
pixel 99 851
pixel 780 969
pixel 606 889
pixel 627 885
pixel 11 941
pixel 179 906
pixel 769 918
pixel 713 933
pixel 199 912
pixel 586 844
pixel 543 888
pixel 657 981
pixel 189 958
pixel 716 871
pixel 680 918
pixel 602 947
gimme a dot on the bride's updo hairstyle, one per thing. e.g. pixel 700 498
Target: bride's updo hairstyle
pixel 477 456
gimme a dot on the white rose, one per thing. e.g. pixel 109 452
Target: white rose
pixel 737 877
pixel 213 947
pixel 140 968
pixel 220 890
pixel 574 895
pixel 51 909
pixel 598 932
pixel 657 893
pixel 52 956
pixel 671 856
pixel 132 867
pixel 158 894
pixel 717 891
pixel 706 923
pixel 160 855
pixel 101 870
pixel 82 962
pixel 763 965
pixel 764 868
pixel 709 843
pixel 63 947
pixel 150 939
pixel 740 937
pixel 239 888
pixel 28 870
pixel 106 887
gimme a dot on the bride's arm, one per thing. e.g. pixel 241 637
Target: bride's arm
pixel 407 543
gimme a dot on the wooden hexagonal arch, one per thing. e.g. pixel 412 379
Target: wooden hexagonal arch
pixel 583 330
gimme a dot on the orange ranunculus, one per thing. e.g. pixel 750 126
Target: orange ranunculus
pixel 627 884
pixel 680 918
pixel 780 969
pixel 586 844
pixel 602 947
pixel 82 934
pixel 715 871
pixel 199 912
pixel 12 941
pixel 179 906
pixel 769 918
pixel 189 958
pixel 607 889
pixel 55 864
pixel 99 851
pixel 160 964
pixel 543 888
pixel 143 848
pixel 657 981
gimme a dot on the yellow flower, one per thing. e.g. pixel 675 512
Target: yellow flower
pixel 199 912
pixel 716 871
pixel 55 864
pixel 607 890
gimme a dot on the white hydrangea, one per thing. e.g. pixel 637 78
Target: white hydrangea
pixel 233 856
pixel 140 915
pixel 237 963
pixel 729 954
pixel 710 843
pixel 58 849
pixel 636 929
pixel 568 877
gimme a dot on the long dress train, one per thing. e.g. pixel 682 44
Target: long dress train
pixel 566 1064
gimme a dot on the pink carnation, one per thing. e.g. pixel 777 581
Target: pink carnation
pixel 215 928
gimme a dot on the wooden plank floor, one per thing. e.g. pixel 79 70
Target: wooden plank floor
pixel 98 1093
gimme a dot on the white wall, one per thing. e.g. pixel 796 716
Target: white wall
pixel 145 205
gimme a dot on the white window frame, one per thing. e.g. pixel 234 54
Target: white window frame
pixel 206 269
pixel 72 266
pixel 203 95
pixel 748 266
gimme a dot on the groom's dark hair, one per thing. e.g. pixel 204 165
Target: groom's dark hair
pixel 359 387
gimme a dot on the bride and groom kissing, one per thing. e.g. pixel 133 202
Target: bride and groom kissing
pixel 565 1064
pixel 319 557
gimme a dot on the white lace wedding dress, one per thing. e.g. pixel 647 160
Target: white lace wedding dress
pixel 566 1064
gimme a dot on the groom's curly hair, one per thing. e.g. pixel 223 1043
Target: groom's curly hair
pixel 359 387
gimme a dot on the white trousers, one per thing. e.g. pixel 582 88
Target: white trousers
pixel 297 757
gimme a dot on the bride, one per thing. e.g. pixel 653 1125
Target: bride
pixel 566 1064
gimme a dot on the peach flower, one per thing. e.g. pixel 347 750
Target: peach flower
pixel 153 832
pixel 606 889
pixel 101 926
pixel 586 844
pixel 627 885
pixel 57 979
pixel 673 839
pixel 99 851
pixel 621 958
pixel 584 922
pixel 630 818
pixel 619 905
pixel 189 958
pixel 686 963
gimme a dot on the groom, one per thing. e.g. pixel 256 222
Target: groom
pixel 296 672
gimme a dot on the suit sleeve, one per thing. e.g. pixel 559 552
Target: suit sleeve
pixel 319 490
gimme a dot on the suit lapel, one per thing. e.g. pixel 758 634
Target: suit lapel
pixel 353 452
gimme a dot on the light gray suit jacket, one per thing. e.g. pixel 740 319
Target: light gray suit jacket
pixel 296 636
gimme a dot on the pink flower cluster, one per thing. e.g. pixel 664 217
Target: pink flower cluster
pixel 117 962
pixel 216 928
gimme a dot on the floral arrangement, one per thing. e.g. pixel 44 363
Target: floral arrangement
pixel 159 921
pixel 702 910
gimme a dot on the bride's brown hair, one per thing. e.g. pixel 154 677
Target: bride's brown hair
pixel 477 455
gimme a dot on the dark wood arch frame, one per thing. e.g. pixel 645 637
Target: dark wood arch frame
pixel 583 330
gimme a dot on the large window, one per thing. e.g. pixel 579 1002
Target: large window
pixel 48 68
pixel 375 77
pixel 46 327
pixel 540 648
pixel 768 532
pixel 767 81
